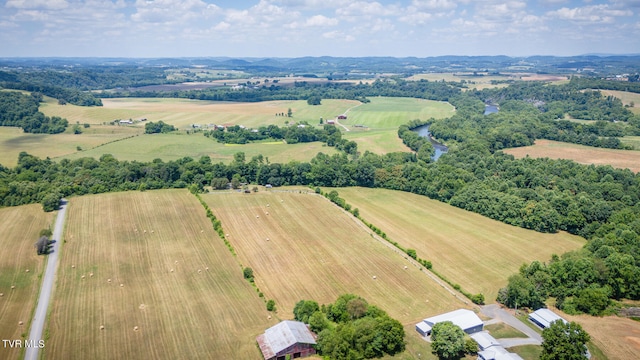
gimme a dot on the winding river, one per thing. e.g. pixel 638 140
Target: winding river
pixel 440 148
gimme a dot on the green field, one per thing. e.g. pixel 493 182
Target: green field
pixel 631 140
pixel 471 250
pixel 389 113
pixel 143 275
pixel 20 268
pixel 175 146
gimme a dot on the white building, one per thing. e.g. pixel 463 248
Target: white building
pixel 544 318
pixel 467 320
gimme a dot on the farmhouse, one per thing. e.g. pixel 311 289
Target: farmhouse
pixel 331 122
pixel 126 122
pixel 288 337
pixel 467 320
pixel 544 317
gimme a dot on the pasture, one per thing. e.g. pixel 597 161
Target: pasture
pixel 143 275
pixel 376 141
pixel 301 246
pixel 468 249
pixel 182 113
pixel 386 113
pixel 20 268
pixel 617 337
pixel 13 141
pixel 178 145
pixel 632 100
pixel 622 159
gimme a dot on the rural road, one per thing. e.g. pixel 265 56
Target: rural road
pixel 37 325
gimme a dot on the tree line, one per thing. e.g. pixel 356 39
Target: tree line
pixel 21 110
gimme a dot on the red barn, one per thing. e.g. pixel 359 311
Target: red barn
pixel 288 337
pixel 342 117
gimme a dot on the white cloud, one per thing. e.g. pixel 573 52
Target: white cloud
pixel 594 14
pixel 434 4
pixel 37 4
pixel 321 20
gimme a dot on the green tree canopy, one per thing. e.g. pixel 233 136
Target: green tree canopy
pixel 564 341
pixel 447 340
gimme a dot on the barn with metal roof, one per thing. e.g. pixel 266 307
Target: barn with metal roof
pixel 544 317
pixel 287 338
pixel 467 320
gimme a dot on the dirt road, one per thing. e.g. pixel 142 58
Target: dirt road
pixel 37 325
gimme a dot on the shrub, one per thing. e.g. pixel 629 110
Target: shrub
pixel 271 305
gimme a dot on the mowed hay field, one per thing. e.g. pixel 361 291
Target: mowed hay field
pixel 175 146
pixel 136 239
pixel 617 337
pixel 21 268
pixel 622 159
pixel 469 249
pixel 13 141
pixel 301 246
pixel 182 113
pixel 388 113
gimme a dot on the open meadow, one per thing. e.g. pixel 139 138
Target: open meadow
pixel 13 141
pixel 468 249
pixel 178 145
pixel 301 246
pixel 20 271
pixel 622 159
pixel 632 100
pixel 617 337
pixel 183 113
pixel 389 113
pixel 143 275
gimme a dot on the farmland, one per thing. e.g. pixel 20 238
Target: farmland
pixel 175 146
pixel 301 246
pixel 389 113
pixel 143 275
pixel 623 159
pixel 618 338
pixel 21 268
pixel 632 100
pixel 471 250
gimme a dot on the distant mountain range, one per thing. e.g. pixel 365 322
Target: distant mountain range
pixel 327 65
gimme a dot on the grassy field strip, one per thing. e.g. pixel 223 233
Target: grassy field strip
pixel 474 251
pixel 618 338
pixel 389 113
pixel 181 287
pixel 305 248
pixel 627 98
pixel 21 227
pixel 623 159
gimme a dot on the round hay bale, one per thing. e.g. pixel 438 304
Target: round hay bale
pixel 374 277
pixel 101 327
pixel 1 294
pixel 108 280
pixel 152 231
pixel 13 287
pixel 171 270
pixel 207 268
pixel 176 262
pixel 267 205
pixel 82 277
pixel 267 213
pixel 26 270
pixel 20 323
pixel 405 267
pixel 267 239
pixel 73 266
pixel 227 235
pixel 199 271
pixel 145 231
pixel 135 328
pixel 121 285
pixel 269 317
pixel 90 274
pixel 257 216
pixel 141 307
pixel 201 231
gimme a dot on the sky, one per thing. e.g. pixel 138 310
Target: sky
pixel 296 28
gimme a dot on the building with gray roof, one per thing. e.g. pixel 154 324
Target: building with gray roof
pixel 544 317
pixel 287 338
pixel 467 320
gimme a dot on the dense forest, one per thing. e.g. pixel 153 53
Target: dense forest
pixel 21 110
pixel 596 202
